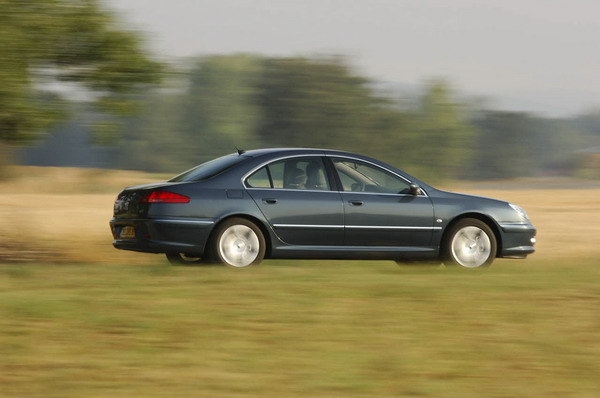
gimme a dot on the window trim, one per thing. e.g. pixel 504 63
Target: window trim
pixel 333 185
pixel 353 158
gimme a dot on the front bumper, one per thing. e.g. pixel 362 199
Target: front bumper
pixel 518 240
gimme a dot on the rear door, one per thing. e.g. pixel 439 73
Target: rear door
pixel 295 196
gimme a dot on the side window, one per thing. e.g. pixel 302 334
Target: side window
pixel 259 179
pixel 276 170
pixel 358 176
pixel 295 173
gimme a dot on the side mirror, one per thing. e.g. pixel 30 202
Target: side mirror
pixel 415 190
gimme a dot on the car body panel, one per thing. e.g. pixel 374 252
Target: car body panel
pixel 387 220
pixel 513 231
pixel 302 217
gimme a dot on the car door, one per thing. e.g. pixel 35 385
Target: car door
pixel 379 209
pixel 295 196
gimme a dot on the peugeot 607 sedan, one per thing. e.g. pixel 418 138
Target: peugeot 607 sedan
pixel 313 203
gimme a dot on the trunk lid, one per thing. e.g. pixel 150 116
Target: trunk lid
pixel 129 204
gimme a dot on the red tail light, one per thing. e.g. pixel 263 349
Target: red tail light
pixel 165 197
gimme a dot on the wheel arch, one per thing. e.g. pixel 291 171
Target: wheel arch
pixel 489 221
pixel 256 221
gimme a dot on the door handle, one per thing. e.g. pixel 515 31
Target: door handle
pixel 356 202
pixel 269 201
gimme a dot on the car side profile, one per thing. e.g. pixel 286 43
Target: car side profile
pixel 313 203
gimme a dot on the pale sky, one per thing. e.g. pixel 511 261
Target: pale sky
pixel 533 55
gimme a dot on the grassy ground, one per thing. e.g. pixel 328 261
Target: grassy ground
pixel 295 329
pixel 78 318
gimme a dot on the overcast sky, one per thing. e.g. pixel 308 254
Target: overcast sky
pixel 534 55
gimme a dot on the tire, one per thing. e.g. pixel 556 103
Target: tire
pixel 238 243
pixel 470 243
pixel 183 259
pixel 419 263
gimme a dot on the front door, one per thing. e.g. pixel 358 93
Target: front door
pixel 387 220
pixel 379 209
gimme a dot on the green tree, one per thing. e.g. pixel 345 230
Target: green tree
pixel 439 140
pixel 47 42
pixel 152 141
pixel 589 126
pixel 220 110
pixel 504 149
pixel 206 110
pixel 317 103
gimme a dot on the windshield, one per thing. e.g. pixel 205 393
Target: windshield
pixel 208 169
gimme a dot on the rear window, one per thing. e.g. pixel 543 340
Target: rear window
pixel 208 169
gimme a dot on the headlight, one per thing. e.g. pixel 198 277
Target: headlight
pixel 519 210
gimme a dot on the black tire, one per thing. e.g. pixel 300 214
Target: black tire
pixel 419 263
pixel 183 259
pixel 238 242
pixel 470 243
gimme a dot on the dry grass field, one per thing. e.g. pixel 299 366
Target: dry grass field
pixel 81 319
pixel 61 215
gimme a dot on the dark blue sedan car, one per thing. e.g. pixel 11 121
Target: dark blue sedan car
pixel 313 203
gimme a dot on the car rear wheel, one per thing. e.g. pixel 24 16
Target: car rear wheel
pixel 239 243
pixel 470 243
pixel 183 259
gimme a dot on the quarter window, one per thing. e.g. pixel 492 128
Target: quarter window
pixel 259 179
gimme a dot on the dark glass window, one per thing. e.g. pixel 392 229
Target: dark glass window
pixel 357 176
pixel 293 173
pixel 209 169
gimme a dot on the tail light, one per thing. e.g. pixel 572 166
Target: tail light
pixel 164 197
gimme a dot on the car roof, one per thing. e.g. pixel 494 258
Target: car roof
pixel 294 151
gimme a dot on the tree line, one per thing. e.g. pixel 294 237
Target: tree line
pixel 248 101
pixel 165 118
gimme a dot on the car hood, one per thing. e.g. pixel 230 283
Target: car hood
pixel 463 196
pixel 448 205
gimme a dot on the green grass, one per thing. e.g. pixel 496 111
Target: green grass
pixel 300 328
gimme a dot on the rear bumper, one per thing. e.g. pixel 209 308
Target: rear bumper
pixel 183 235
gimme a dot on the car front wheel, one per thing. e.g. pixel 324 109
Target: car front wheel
pixel 239 243
pixel 470 243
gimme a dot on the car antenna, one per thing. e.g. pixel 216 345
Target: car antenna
pixel 239 151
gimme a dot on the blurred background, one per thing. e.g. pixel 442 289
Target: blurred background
pixel 122 92
pixel 460 90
